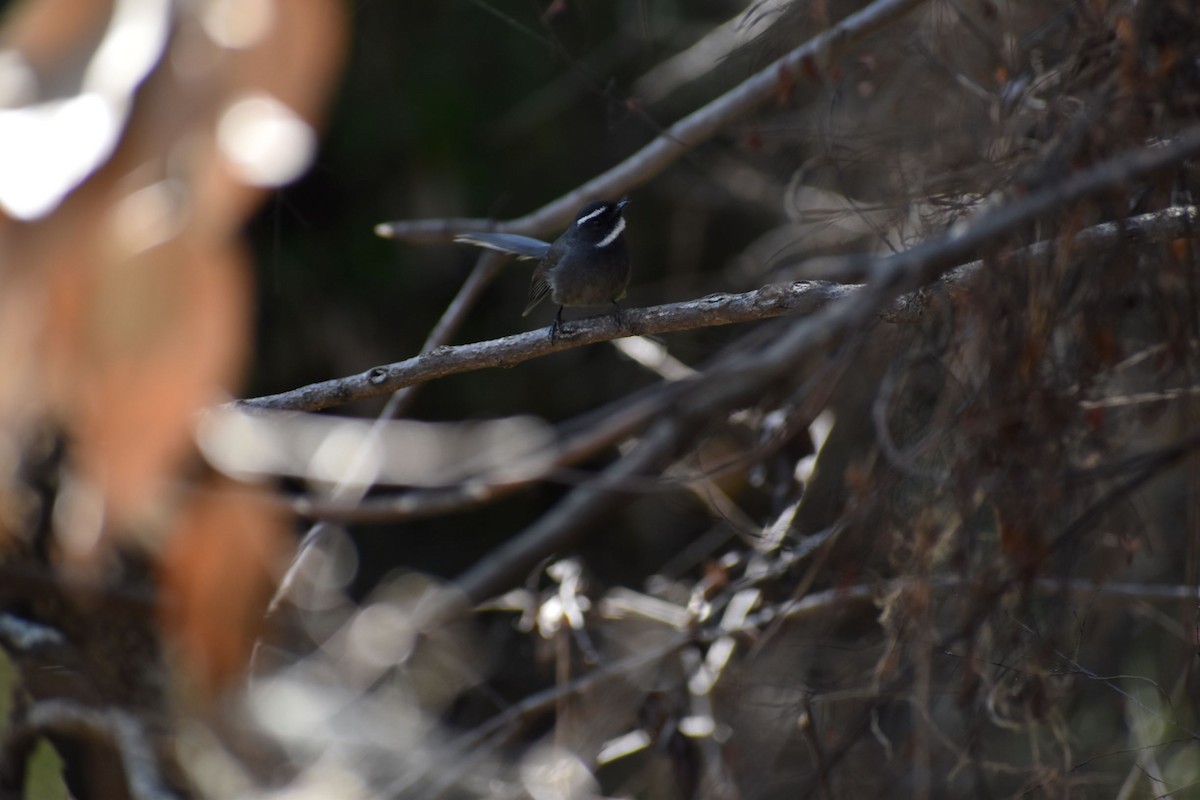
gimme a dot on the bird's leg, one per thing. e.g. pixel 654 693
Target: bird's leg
pixel 557 324
pixel 617 316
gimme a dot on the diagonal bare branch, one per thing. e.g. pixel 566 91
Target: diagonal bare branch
pixel 686 134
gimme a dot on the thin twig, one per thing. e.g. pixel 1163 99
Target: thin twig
pixel 127 734
pixel 473 744
pixel 1142 398
pixel 558 528
pixel 350 493
pixel 486 269
pixel 577 440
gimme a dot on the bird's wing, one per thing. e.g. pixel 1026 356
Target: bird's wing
pixel 539 287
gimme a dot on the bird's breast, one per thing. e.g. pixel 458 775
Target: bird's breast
pixel 593 279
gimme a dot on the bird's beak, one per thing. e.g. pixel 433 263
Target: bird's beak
pixel 624 201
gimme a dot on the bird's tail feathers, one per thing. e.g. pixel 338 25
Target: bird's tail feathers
pixel 515 244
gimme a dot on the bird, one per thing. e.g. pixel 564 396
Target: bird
pixel 588 265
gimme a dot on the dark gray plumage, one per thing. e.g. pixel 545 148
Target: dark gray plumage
pixel 588 265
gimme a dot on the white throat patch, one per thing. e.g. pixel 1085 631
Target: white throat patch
pixel 613 234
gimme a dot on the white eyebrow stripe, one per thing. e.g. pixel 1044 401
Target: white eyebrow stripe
pixel 592 215
pixel 613 234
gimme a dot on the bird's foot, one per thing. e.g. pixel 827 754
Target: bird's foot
pixel 618 316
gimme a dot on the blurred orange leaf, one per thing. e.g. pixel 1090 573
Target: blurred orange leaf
pixel 127 305
pixel 217 574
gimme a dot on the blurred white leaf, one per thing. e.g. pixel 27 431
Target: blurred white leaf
pixel 351 451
